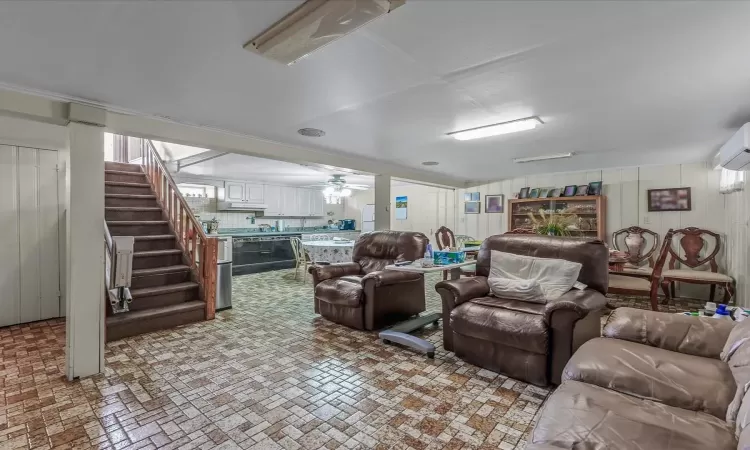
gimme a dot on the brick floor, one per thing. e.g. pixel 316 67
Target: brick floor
pixel 268 374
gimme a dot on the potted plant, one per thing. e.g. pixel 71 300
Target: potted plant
pixel 553 224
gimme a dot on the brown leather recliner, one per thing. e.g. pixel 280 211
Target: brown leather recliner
pixel 360 294
pixel 527 341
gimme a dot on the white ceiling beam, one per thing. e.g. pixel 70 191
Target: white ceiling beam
pixel 153 128
pixel 44 109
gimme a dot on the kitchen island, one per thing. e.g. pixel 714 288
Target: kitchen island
pixel 261 251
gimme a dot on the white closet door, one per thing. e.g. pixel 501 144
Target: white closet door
pixel 49 260
pixel 28 201
pixel 10 289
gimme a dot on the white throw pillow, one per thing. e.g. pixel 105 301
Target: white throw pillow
pixel 516 289
pixel 555 276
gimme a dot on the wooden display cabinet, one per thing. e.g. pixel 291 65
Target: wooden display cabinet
pixel 590 209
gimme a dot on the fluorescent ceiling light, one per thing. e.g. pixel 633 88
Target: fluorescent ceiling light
pixel 315 24
pixel 543 158
pixel 528 123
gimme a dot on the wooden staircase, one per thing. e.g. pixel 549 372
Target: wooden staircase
pixel 169 286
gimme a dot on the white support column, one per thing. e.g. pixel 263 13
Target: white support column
pixel 382 202
pixel 84 256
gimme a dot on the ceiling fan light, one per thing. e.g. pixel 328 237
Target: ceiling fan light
pixel 346 192
pixel 329 190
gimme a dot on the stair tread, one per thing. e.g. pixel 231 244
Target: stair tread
pixel 160 270
pixel 137 222
pixel 146 253
pixel 154 237
pixel 141 196
pixel 134 316
pixel 123 172
pixel 158 290
pixel 132 208
pixel 127 183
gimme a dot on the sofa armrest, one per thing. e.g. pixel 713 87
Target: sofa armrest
pixel 455 292
pixel 462 290
pixel 697 336
pixel 321 273
pixel 579 302
pixel 388 277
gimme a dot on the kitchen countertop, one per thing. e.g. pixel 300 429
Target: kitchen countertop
pixel 281 233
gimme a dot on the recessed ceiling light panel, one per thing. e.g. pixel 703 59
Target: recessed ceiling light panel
pixel 543 158
pixel 430 163
pixel 513 126
pixel 311 132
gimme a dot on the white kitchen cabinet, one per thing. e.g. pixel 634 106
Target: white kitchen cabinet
pixel 289 201
pixel 234 192
pixel 318 203
pixel 29 214
pixel 243 192
pixel 254 193
pixel 273 199
pixel 304 200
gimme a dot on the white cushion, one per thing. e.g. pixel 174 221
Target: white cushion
pixel 629 283
pixel 515 289
pixel 702 275
pixel 555 276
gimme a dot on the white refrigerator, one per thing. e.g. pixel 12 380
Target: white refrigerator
pixel 368 218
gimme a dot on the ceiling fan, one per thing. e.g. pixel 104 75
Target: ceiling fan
pixel 338 184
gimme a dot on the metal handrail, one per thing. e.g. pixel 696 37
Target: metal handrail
pixel 111 253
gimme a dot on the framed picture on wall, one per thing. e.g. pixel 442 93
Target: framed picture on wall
pixel 523 193
pixel 544 192
pixel 595 188
pixel 472 207
pixel 534 193
pixel 494 203
pixel 672 199
pixel 554 193
pixel 582 189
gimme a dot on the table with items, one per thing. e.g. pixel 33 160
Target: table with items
pixel 334 251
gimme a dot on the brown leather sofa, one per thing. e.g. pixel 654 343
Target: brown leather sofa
pixel 360 294
pixel 526 341
pixel 654 381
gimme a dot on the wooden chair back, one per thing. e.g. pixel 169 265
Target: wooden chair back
pixel 635 242
pixel 299 251
pixel 445 238
pixel 692 241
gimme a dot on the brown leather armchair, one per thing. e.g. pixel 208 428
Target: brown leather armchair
pixel 527 341
pixel 360 294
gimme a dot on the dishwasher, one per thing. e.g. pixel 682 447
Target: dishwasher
pixel 256 254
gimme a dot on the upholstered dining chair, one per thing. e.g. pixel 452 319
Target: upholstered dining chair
pixel 641 245
pixel 695 263
pixel 445 238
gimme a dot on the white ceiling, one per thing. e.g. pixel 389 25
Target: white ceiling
pixel 619 83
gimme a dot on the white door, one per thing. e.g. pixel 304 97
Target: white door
pixel 33 293
pixel 254 193
pixel 304 202
pixel 288 201
pixel 272 198
pixel 10 268
pixel 234 192
pixel 318 203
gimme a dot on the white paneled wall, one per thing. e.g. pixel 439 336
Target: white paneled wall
pixel 736 223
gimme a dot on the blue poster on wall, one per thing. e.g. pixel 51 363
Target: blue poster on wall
pixel 401 205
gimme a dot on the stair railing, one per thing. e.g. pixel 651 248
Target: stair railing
pixel 200 250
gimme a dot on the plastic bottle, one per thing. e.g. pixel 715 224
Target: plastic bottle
pixel 428 251
pixel 722 313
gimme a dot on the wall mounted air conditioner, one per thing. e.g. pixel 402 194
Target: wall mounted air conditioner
pixel 241 206
pixel 735 154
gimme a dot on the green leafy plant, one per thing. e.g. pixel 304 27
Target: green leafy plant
pixel 553 224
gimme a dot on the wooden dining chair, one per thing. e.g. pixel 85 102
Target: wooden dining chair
pixel 444 238
pixel 685 266
pixel 641 245
pixel 300 257
pixel 640 286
